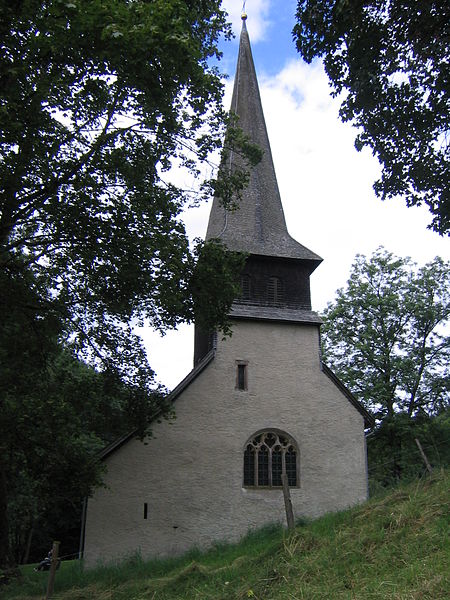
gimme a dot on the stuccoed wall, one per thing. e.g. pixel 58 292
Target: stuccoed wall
pixel 190 472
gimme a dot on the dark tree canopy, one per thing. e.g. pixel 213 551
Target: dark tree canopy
pixel 385 334
pixel 98 100
pixel 390 58
pixel 392 450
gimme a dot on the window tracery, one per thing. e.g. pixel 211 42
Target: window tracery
pixel 267 456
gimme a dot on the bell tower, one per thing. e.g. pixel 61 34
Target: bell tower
pixel 275 280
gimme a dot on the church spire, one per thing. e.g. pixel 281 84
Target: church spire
pixel 258 226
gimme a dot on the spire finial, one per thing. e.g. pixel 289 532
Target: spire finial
pixel 243 13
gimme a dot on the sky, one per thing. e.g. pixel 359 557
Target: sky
pixel 325 184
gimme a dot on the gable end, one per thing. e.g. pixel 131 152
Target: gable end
pixel 108 450
pixel 369 420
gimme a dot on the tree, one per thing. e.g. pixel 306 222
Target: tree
pixel 50 466
pixel 98 100
pixel 392 451
pixel 390 59
pixel 385 334
pixel 56 412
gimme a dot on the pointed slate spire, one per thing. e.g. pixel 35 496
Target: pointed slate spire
pixel 258 227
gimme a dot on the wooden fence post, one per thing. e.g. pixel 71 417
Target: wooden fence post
pixel 424 456
pixel 287 502
pixel 52 573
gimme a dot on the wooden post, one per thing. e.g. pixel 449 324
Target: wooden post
pixel 52 573
pixel 424 456
pixel 287 502
pixel 83 530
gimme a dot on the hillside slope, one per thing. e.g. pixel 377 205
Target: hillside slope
pixel 395 547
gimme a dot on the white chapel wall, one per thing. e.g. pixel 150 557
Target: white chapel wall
pixel 190 472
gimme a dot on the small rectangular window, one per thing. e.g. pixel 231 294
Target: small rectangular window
pixel 145 510
pixel 241 375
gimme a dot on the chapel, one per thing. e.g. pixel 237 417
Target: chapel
pixel 256 406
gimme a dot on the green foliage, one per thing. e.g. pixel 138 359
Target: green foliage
pixel 391 548
pixel 55 416
pixel 56 413
pixel 390 59
pixel 212 272
pixel 98 100
pixel 393 454
pixel 385 334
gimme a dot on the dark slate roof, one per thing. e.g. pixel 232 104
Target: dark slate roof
pixel 258 226
pixel 274 313
pixel 170 398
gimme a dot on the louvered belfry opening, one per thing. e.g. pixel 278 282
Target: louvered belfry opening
pixel 246 287
pixel 267 456
pixel 275 282
pixel 275 294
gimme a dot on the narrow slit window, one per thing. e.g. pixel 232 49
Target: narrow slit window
pixel 241 375
pixel 145 510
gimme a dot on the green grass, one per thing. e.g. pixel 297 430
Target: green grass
pixel 393 547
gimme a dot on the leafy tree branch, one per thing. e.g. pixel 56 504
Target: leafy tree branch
pixel 389 60
pixel 386 334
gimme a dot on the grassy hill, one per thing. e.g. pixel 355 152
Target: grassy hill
pixel 394 547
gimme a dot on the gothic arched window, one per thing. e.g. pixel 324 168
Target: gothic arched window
pixel 267 456
pixel 275 292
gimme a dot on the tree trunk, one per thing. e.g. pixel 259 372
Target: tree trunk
pixel 26 555
pixel 4 540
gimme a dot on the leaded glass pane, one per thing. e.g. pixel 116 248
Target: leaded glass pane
pixel 249 466
pixel 276 467
pixel 270 439
pixel 263 466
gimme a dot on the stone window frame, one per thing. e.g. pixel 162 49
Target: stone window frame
pixel 285 446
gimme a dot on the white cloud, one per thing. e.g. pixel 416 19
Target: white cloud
pixel 326 185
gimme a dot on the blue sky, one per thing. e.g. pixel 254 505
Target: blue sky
pixel 325 184
pixel 270 26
